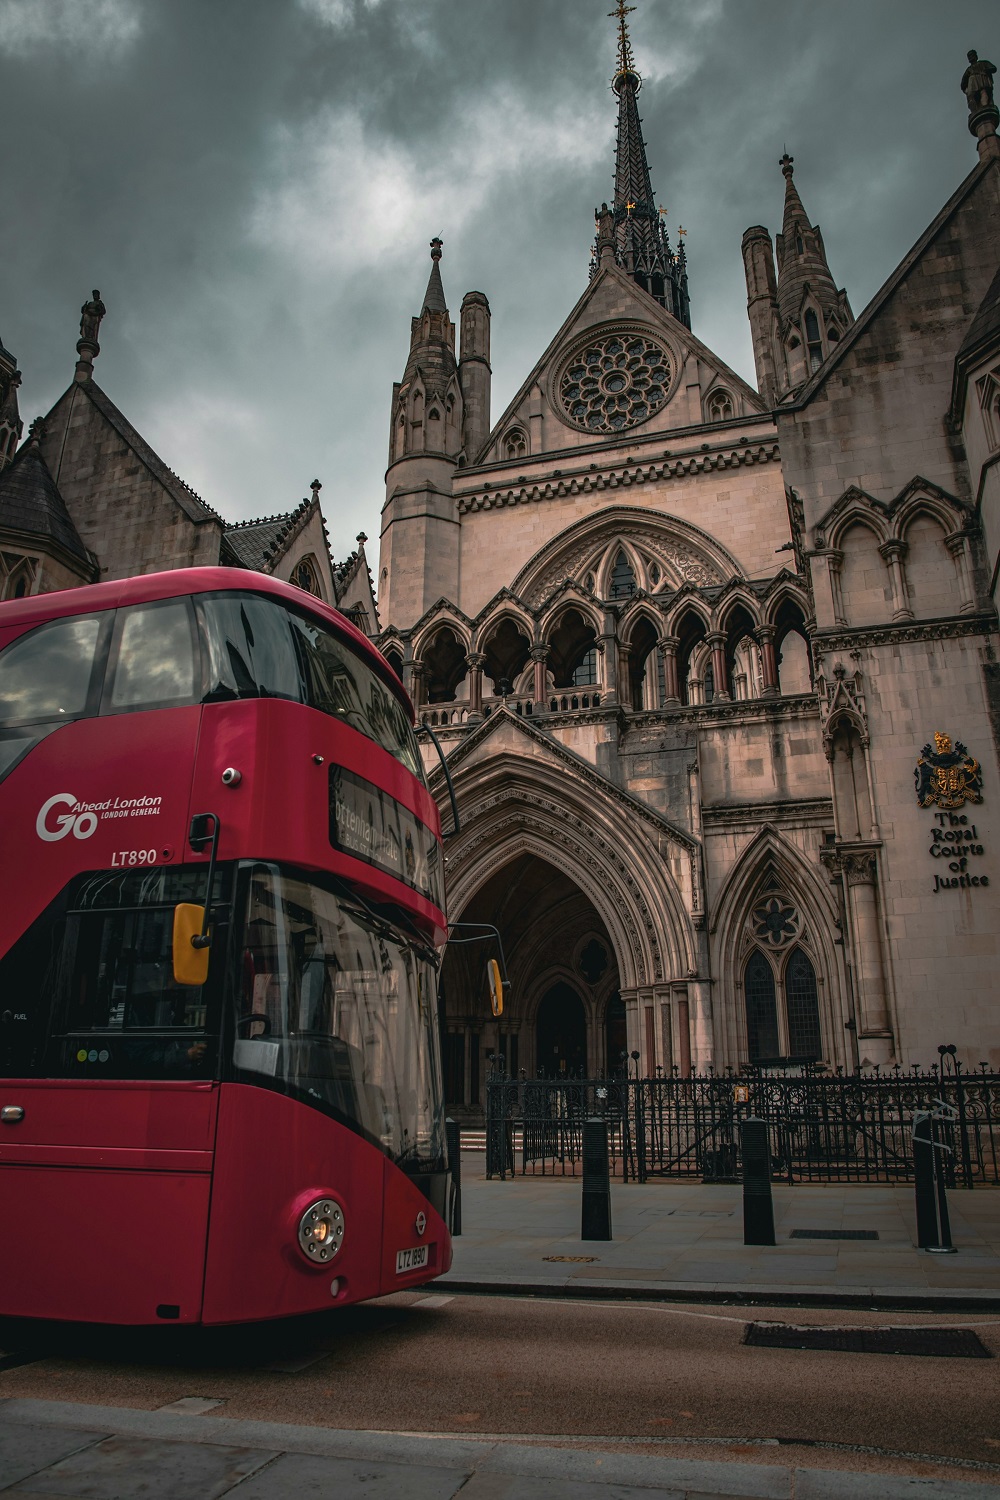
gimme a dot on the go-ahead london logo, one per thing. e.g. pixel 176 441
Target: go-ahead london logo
pixel 81 818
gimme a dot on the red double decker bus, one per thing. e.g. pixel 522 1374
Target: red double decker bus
pixel 221 900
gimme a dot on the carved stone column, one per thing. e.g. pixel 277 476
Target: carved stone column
pixel 717 641
pixel 417 674
pixel 768 661
pixel 892 554
pixel 608 643
pixel 834 563
pixel 667 645
pixel 700 1023
pixel 475 661
pixel 858 867
pixel 633 1031
pixel 958 546
pixel 539 656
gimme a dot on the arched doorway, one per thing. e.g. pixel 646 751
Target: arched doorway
pixel 561 1034
pixel 563 969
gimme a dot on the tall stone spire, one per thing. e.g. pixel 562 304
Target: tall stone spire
pixel 427 401
pixel 808 300
pixel 641 246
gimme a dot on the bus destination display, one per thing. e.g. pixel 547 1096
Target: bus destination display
pixel 370 825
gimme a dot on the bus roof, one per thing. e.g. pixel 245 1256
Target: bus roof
pixel 185 581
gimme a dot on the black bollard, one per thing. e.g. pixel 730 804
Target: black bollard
pixel 454 1139
pixel 596 1219
pixel 933 1223
pixel 758 1209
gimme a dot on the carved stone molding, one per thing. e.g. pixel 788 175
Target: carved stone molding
pixel 949 628
pixel 806 813
pixel 857 863
pixel 624 478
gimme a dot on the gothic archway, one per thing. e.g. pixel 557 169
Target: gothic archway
pixel 562 966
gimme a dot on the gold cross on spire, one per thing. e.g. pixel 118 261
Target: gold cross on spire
pixel 681 229
pixel 626 62
pixel 629 207
pixel 662 211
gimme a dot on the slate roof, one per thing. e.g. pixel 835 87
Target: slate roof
pixel 191 504
pixel 986 324
pixel 30 502
pixel 254 543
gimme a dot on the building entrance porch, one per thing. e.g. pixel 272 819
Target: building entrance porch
pixel 564 1002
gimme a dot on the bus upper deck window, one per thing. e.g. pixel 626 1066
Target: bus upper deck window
pixel 250 651
pixel 46 674
pixel 155 657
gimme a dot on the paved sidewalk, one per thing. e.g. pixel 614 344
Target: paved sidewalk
pixel 58 1448
pixel 685 1240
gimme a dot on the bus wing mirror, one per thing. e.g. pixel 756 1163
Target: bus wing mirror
pixel 498 990
pixel 190 947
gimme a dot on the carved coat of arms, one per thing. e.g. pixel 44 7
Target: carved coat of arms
pixel 947 774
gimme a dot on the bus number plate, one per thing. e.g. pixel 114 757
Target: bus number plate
pixel 411 1260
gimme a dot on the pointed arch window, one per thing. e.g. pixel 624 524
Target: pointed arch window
pixel 623 583
pixel 720 406
pixel 802 1004
pixel 586 673
pixel 761 1009
pixel 813 340
pixel 515 444
pixel 305 577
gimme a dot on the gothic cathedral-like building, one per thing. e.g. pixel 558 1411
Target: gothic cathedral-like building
pixel 713 666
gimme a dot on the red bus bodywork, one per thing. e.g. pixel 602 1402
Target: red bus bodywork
pixel 136 1201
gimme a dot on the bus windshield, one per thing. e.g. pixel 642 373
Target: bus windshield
pixel 341 1010
pixel 89 992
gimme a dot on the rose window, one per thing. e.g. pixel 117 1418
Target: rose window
pixel 775 922
pixel 615 383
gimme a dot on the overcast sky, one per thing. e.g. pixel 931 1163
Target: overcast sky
pixel 252 185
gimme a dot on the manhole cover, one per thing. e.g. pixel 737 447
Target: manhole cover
pixel 834 1234
pixel 941 1343
pixel 571 1257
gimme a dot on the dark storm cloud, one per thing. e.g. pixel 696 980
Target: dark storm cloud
pixel 252 185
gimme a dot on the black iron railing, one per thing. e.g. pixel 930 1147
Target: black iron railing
pixel 822 1127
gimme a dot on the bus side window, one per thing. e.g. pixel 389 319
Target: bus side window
pixel 154 664
pixel 250 650
pixel 47 673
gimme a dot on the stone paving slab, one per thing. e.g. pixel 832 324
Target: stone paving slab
pixel 25 1449
pixel 686 1239
pixel 163 1455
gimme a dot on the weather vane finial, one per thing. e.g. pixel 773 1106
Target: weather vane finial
pixel 626 62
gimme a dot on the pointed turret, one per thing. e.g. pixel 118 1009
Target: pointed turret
pixel 641 246
pixel 11 425
pixel 798 316
pixel 814 314
pixel 426 404
pixel 426 442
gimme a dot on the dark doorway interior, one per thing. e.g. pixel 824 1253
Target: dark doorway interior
pixel 562 1033
pixel 615 1035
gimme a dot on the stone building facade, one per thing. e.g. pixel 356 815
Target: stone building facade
pixel 86 499
pixel 685 644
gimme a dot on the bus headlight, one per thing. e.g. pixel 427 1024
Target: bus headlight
pixel 321 1230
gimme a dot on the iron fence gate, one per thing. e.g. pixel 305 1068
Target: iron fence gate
pixel 821 1127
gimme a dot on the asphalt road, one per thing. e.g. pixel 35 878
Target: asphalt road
pixel 656 1377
